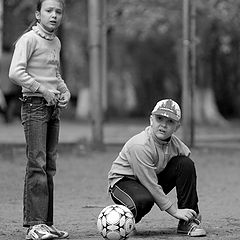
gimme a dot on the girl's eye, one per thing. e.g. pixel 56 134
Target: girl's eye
pixel 57 11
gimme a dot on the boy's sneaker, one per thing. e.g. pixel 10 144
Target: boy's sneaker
pixel 59 233
pixel 191 227
pixel 39 232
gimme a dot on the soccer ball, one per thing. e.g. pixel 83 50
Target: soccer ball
pixel 115 222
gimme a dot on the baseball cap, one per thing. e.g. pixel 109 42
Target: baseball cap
pixel 168 108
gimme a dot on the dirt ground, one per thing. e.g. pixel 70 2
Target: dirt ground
pixel 81 193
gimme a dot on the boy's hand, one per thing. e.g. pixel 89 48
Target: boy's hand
pixel 64 99
pixel 185 214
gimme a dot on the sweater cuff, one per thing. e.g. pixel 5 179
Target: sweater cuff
pixel 34 87
pixel 62 88
pixel 166 206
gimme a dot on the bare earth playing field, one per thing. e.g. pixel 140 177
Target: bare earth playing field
pixel 81 193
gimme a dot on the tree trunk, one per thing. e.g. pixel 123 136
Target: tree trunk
pixel 206 110
pixel 83 105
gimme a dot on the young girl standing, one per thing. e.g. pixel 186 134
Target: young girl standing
pixel 35 67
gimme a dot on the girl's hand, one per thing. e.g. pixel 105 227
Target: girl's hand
pixel 64 99
pixel 51 96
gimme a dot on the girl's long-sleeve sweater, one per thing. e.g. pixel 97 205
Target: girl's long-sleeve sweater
pixel 142 158
pixel 36 62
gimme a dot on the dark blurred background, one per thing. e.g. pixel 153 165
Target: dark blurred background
pixel 144 40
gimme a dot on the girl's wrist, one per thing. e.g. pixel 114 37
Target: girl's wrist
pixel 41 89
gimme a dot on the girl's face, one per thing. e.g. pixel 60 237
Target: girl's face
pixel 50 15
pixel 163 127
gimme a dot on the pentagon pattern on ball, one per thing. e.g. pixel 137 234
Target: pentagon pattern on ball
pixel 115 222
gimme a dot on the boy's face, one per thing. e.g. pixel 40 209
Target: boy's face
pixel 163 127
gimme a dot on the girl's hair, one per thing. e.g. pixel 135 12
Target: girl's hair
pixel 34 22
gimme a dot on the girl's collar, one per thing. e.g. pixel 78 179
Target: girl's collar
pixel 43 32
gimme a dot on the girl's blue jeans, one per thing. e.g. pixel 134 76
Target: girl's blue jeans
pixel 41 128
pixel 180 172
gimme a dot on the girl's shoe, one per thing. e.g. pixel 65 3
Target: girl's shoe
pixel 191 227
pixel 59 233
pixel 39 232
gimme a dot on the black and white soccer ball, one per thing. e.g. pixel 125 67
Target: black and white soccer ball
pixel 115 222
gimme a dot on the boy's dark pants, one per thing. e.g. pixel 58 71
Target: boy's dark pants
pixel 180 172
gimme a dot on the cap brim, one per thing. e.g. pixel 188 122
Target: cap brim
pixel 167 114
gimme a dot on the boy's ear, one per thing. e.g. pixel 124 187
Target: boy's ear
pixel 178 126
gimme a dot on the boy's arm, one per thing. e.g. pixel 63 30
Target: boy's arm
pixel 144 169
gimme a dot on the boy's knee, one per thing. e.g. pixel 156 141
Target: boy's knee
pixel 186 161
pixel 187 165
pixel 139 202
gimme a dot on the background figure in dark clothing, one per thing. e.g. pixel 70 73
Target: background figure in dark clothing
pixel 11 92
